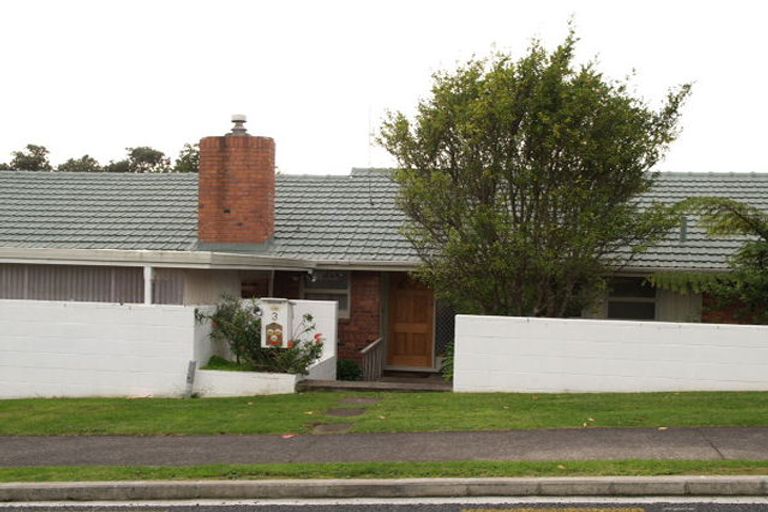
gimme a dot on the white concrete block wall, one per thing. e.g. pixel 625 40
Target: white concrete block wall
pixel 326 318
pixel 71 349
pixel 95 349
pixel 213 383
pixel 553 355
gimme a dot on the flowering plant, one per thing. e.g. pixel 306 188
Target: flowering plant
pixel 238 323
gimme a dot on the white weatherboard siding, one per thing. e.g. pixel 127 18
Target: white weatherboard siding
pixel 96 349
pixel 553 355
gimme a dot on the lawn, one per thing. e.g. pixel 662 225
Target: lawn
pixel 388 470
pixel 396 412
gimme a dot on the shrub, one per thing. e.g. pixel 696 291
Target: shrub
pixel 348 370
pixel 237 323
pixel 447 369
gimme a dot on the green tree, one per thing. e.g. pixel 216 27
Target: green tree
pixel 32 158
pixel 147 159
pixel 85 163
pixel 519 180
pixel 118 166
pixel 189 159
pixel 141 159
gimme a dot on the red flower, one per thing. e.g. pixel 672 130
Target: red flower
pixel 291 343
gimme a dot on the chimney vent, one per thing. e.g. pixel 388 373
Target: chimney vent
pixel 239 128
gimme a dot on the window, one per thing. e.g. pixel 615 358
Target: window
pixel 329 285
pixel 254 284
pixel 631 298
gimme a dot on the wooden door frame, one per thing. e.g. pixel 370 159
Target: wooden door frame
pixel 386 329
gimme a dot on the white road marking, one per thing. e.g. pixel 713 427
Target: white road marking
pixel 400 501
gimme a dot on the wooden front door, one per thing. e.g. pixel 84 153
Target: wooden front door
pixel 411 323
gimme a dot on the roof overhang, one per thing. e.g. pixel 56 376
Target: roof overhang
pixel 645 270
pixel 129 258
pixel 381 266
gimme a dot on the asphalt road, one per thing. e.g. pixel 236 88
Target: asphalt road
pixel 422 505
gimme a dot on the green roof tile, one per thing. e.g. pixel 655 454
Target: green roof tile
pixel 346 219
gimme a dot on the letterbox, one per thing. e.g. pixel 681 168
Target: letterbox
pixel 276 322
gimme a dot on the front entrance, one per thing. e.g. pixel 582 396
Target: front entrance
pixel 411 338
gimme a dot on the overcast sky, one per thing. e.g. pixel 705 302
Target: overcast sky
pixel 97 76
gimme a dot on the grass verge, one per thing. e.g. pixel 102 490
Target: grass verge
pixel 387 470
pixel 396 412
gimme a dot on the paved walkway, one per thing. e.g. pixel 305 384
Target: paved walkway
pixel 541 445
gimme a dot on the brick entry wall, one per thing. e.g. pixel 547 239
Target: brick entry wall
pixel 364 322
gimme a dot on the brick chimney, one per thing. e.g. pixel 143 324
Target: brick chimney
pixel 236 190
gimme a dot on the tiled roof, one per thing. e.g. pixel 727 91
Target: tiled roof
pixel 697 250
pixel 344 219
pixel 98 210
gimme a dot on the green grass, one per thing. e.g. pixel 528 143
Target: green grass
pixel 276 414
pixel 387 470
pixel 397 412
pixel 505 411
pixel 219 363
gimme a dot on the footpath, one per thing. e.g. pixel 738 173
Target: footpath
pixel 531 445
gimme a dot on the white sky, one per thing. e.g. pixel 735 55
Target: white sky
pixel 97 76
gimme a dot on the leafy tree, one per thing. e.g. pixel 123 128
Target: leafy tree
pixel 519 180
pixel 743 290
pixel 119 166
pixel 147 159
pixel 85 163
pixel 32 158
pixel 4 167
pixel 189 159
pixel 141 159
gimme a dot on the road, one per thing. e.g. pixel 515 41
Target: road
pixel 418 505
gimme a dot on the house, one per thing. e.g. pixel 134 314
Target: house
pixel 238 228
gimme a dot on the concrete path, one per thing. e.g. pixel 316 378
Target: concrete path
pixel 694 443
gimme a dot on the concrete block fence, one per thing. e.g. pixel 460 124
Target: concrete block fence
pixel 554 355
pixel 79 349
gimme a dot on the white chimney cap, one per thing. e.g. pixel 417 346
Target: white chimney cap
pixel 239 118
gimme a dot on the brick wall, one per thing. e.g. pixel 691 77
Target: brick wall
pixel 714 314
pixel 236 190
pixel 364 323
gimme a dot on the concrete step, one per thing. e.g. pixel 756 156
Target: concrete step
pixel 348 385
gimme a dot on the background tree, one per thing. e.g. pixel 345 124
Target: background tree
pixel 85 163
pixel 118 166
pixel 147 159
pixel 519 181
pixel 141 159
pixel 32 158
pixel 189 159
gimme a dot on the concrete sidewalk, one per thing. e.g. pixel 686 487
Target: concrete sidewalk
pixel 541 445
